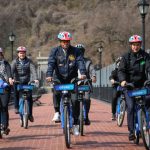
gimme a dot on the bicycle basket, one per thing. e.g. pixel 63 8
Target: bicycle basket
pixel 25 87
pixel 139 92
pixel 84 88
pixel 64 87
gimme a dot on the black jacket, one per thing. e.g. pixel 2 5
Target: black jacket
pixel 134 68
pixel 23 71
pixel 66 65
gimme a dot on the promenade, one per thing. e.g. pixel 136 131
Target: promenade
pixel 43 134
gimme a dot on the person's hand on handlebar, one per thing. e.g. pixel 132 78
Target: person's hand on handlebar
pixel 11 81
pixel 49 79
pixel 123 83
pixel 82 77
pixel 112 81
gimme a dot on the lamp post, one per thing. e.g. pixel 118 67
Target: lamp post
pixel 143 8
pixel 12 39
pixel 100 50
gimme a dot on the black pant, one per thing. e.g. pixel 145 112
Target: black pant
pixel 56 101
pixel 130 111
pixel 116 94
pixel 4 100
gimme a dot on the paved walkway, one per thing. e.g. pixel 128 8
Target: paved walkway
pixel 43 134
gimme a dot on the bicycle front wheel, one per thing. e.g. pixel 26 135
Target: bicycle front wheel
pixel 67 127
pixel 81 125
pixel 144 129
pixel 121 114
pixel 25 116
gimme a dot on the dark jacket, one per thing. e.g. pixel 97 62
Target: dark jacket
pixel 66 65
pixel 6 71
pixel 114 76
pixel 90 71
pixel 134 68
pixel 24 70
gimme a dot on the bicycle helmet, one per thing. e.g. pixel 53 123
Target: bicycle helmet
pixel 21 49
pixel 117 62
pixel 135 39
pixel 66 36
pixel 81 47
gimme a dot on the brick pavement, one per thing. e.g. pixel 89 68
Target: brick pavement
pixel 43 134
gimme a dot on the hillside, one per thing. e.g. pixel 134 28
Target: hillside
pixel 36 24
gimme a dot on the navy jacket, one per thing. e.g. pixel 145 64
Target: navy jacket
pixel 65 64
pixel 134 68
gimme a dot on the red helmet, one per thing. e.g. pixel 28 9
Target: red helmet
pixel 21 49
pixel 135 39
pixel 65 36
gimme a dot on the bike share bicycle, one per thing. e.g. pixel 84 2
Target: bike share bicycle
pixel 121 104
pixel 3 89
pixel 65 108
pixel 141 115
pixel 24 95
pixel 83 87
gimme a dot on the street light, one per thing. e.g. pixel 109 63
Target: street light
pixel 143 8
pixel 100 50
pixel 12 39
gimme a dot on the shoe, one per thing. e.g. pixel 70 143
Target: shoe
pixel 56 117
pixel 76 130
pixel 31 118
pixel 131 136
pixel 87 121
pixel 16 111
pixel 5 131
pixel 113 118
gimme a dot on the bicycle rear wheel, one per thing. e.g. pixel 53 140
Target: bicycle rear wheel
pixel 25 116
pixel 144 129
pixel 121 114
pixel 67 127
pixel 81 125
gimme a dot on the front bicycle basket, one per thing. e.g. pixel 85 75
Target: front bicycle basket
pixel 84 88
pixel 25 87
pixel 139 92
pixel 64 87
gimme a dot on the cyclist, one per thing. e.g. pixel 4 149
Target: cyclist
pixel 133 67
pixel 114 77
pixel 90 74
pixel 23 70
pixel 5 74
pixel 65 60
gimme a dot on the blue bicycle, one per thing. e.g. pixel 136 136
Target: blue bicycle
pixel 66 109
pixel 3 88
pixel 121 107
pixel 83 87
pixel 25 91
pixel 141 117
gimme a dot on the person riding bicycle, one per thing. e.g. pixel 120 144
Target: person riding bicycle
pixel 90 74
pixel 114 78
pixel 23 70
pixel 65 60
pixel 133 68
pixel 5 75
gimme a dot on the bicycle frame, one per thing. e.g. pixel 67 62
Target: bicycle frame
pixel 24 103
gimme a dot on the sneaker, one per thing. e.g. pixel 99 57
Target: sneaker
pixel 16 111
pixel 76 130
pixel 5 131
pixel 31 118
pixel 113 118
pixel 131 136
pixel 87 121
pixel 56 117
